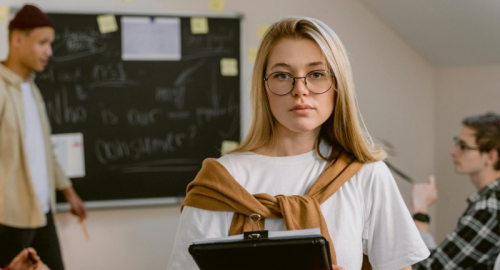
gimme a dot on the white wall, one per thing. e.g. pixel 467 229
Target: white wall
pixel 135 238
pixel 395 93
pixel 460 92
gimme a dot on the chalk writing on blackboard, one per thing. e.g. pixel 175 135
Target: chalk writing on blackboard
pixel 146 125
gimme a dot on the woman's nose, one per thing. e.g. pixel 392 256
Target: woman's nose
pixel 300 87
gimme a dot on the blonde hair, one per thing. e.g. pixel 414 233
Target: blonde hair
pixel 343 127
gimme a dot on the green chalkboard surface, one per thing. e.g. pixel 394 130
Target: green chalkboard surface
pixel 148 124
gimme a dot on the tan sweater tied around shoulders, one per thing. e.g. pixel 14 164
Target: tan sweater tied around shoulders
pixel 215 189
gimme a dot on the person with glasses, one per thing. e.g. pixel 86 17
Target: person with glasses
pixel 475 242
pixel 306 162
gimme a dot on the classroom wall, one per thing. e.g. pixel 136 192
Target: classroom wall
pixel 395 93
pixel 460 92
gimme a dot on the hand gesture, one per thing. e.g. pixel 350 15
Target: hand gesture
pixel 423 195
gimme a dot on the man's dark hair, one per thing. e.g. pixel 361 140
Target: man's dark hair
pixel 487 127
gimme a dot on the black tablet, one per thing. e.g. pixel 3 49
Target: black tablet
pixel 277 254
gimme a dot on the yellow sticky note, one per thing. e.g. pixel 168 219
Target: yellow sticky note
pixel 216 5
pixel 228 146
pixel 229 67
pixel 199 25
pixel 252 54
pixel 107 23
pixel 4 14
pixel 261 30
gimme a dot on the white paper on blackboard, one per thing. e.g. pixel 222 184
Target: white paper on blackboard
pixel 68 149
pixel 151 39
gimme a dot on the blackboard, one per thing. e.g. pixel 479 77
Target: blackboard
pixel 146 125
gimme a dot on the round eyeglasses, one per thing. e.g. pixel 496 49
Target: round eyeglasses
pixel 317 81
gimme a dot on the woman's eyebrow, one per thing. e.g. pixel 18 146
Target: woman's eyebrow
pixel 281 64
pixel 317 63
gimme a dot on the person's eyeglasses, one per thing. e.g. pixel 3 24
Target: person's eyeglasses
pixel 462 145
pixel 317 81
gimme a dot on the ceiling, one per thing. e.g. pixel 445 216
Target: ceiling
pixel 445 32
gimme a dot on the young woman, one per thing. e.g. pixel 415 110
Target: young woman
pixel 306 161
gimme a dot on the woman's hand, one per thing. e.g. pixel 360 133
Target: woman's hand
pixel 335 267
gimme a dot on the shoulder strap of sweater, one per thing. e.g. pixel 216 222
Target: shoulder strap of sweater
pixel 338 172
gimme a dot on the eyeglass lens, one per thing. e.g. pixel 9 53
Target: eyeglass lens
pixel 463 146
pixel 317 81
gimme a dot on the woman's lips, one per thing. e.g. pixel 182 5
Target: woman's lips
pixel 301 109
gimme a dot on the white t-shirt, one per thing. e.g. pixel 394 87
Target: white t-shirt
pixel 35 148
pixel 366 215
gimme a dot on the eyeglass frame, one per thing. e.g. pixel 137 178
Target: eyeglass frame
pixel 305 81
pixel 462 146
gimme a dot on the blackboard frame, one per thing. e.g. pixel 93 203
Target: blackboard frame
pixel 160 201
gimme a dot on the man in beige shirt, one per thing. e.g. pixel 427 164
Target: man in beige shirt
pixel 29 172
